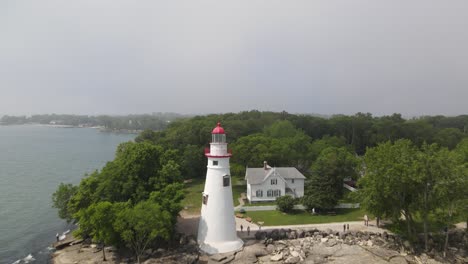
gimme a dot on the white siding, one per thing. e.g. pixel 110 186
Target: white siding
pixel 298 186
pixel 265 186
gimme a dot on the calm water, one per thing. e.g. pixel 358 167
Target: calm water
pixel 33 161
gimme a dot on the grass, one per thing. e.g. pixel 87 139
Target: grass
pixel 299 217
pixel 194 189
pixel 236 192
pixel 193 198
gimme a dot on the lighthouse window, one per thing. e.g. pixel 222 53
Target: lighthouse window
pixel 215 163
pixel 205 199
pixel 226 180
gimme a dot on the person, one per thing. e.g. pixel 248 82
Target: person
pixel 366 220
pixel 248 230
pixel 242 228
pixel 57 237
pixel 344 227
pixel 347 226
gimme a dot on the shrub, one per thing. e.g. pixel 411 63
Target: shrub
pixel 285 203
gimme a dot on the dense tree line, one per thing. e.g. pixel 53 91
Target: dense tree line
pixel 146 175
pixel 156 121
pixel 285 139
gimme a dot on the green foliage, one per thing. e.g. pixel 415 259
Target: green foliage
pixel 60 199
pixel 403 179
pixel 448 137
pixel 319 145
pixel 325 186
pixel 285 203
pixel 142 224
pixel 97 222
pixel 389 187
pixel 114 205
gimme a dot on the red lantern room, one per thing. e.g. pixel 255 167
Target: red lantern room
pixel 218 135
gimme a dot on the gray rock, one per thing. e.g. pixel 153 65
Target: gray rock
pixel 331 242
pixel 315 259
pixel 300 233
pixel 398 260
pixel 245 257
pixel 277 257
pixel 218 257
pixel 292 235
pixel 292 259
pixel 270 248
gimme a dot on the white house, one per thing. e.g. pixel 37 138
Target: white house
pixel 267 183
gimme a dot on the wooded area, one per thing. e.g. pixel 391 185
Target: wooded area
pixel 415 168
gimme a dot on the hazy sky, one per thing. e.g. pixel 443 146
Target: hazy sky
pixel 327 57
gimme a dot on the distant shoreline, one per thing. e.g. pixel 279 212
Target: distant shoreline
pixel 99 128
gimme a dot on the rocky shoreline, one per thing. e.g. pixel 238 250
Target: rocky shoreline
pixel 301 246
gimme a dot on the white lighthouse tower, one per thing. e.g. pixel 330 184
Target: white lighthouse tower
pixel 217 227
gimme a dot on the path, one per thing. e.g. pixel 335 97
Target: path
pixel 335 226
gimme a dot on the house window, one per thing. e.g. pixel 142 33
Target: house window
pixel 259 193
pixel 205 199
pixel 277 193
pixel 274 181
pixel 270 193
pixel 226 180
pixel 292 181
pixel 215 163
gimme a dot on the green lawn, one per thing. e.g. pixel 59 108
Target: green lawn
pixel 298 217
pixel 193 195
pixel 236 192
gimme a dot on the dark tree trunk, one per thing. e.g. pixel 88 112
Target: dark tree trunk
pixel 446 242
pixel 103 252
pixel 425 220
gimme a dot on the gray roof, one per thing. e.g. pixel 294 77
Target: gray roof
pixel 258 175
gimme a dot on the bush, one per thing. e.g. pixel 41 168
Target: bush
pixel 285 203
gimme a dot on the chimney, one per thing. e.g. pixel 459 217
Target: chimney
pixel 265 165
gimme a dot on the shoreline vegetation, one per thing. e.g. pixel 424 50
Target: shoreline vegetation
pixel 143 190
pixel 107 123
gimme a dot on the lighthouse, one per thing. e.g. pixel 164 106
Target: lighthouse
pixel 217 226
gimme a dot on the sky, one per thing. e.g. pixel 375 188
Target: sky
pixel 197 57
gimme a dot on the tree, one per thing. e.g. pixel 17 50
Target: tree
pixel 434 163
pixel 448 137
pixel 97 221
pixel 169 198
pixel 452 193
pixel 462 151
pixel 325 185
pixel 142 224
pixel 389 187
pixel 60 199
pixel 285 203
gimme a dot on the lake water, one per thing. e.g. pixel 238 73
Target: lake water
pixel 33 162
